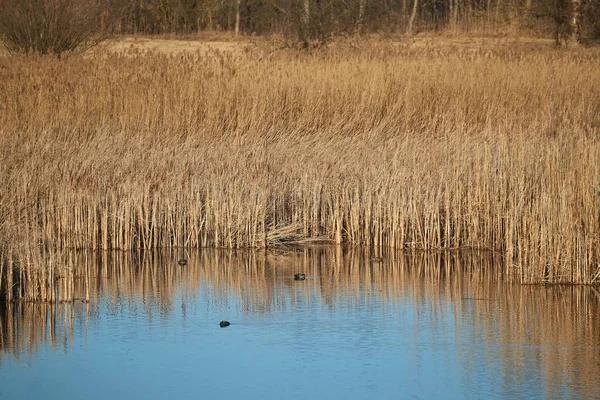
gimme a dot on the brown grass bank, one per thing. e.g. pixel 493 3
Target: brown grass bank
pixel 383 144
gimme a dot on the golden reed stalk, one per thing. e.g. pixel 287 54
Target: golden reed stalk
pixel 379 144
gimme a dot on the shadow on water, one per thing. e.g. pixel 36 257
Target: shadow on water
pixel 552 332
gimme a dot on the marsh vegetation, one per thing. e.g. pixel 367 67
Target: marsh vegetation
pixel 490 144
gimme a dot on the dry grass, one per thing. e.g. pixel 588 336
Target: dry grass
pixel 145 45
pixel 376 143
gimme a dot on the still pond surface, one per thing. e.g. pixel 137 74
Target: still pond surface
pixel 410 326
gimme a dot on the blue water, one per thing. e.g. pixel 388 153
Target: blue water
pixel 362 331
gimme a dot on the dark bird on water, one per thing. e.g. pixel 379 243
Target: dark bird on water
pixel 299 277
pixel 224 324
pixel 182 262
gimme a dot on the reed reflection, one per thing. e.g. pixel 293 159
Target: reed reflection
pixel 553 331
pixel 27 327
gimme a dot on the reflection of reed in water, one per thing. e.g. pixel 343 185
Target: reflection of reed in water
pixel 26 326
pixel 561 325
pixel 467 287
pixel 46 276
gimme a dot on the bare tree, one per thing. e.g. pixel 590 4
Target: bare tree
pixel 306 13
pixel 52 26
pixel 413 15
pixel 316 20
pixel 237 17
pixel 361 14
pixel 574 21
pixel 305 23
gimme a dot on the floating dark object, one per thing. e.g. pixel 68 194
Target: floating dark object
pixel 182 262
pixel 299 277
pixel 224 324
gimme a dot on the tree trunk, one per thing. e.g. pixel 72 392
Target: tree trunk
pixel 574 22
pixel 305 23
pixel 306 13
pixel 361 15
pixel 411 21
pixel 237 17
pixel 455 12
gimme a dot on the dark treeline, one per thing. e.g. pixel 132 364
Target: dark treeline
pixel 53 26
pixel 319 19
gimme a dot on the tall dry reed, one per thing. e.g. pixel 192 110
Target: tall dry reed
pixel 379 144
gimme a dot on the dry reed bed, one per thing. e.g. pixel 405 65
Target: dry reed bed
pixel 497 313
pixel 375 144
